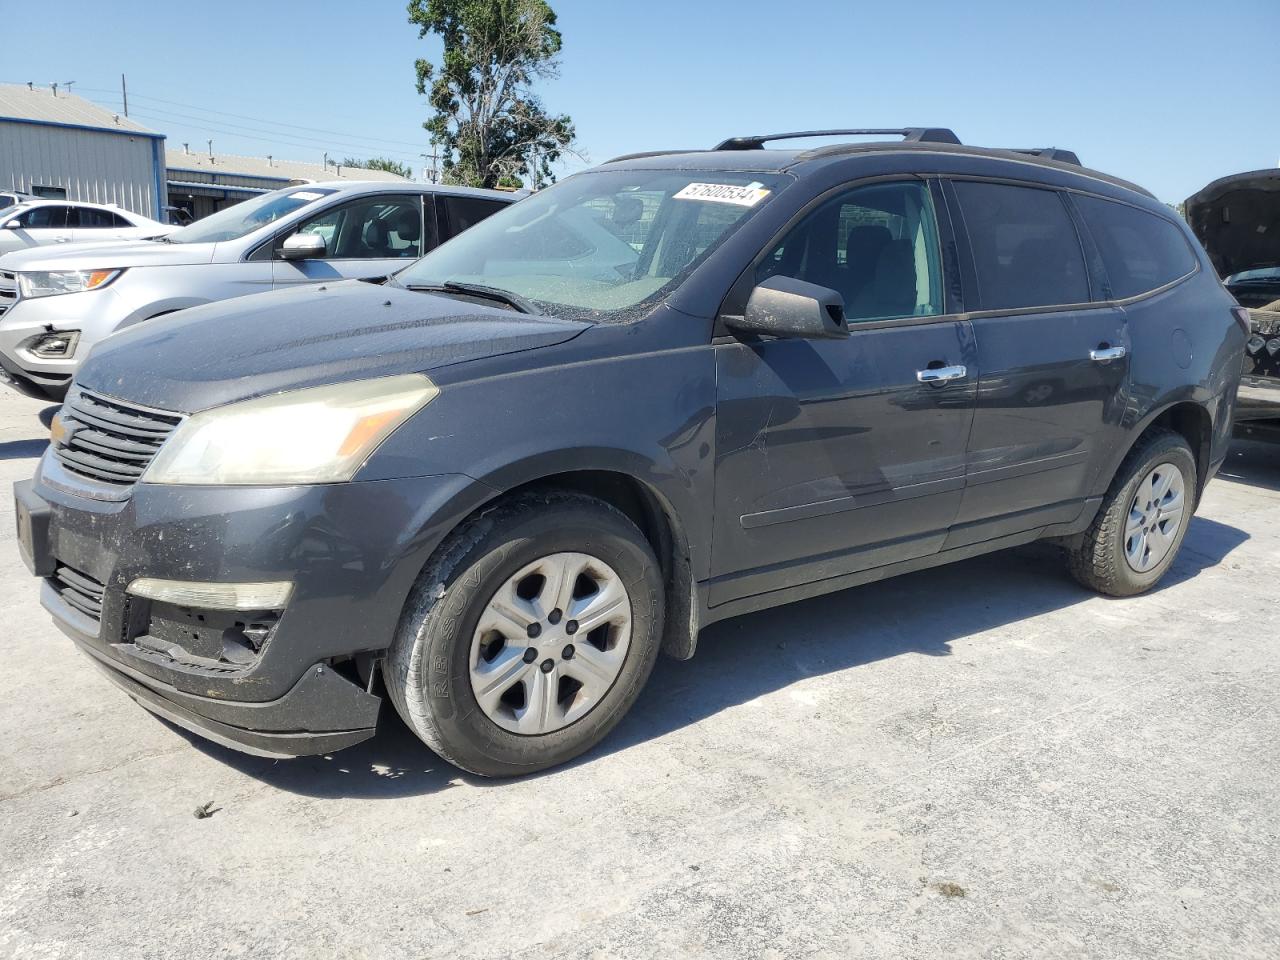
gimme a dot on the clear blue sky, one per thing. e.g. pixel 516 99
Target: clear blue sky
pixel 1171 94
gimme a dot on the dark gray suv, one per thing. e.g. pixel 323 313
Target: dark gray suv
pixel 673 389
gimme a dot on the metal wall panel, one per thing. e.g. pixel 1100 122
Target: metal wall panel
pixel 94 166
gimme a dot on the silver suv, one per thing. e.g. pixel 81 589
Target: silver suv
pixel 55 304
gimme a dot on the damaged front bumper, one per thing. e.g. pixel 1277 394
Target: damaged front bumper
pixel 274 682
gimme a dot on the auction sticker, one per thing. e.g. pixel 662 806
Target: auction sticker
pixel 305 195
pixel 747 196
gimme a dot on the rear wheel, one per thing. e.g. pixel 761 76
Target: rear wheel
pixel 530 636
pixel 1142 521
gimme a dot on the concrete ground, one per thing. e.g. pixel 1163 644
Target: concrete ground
pixel 977 761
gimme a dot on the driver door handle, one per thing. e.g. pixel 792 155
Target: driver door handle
pixel 942 374
pixel 1105 354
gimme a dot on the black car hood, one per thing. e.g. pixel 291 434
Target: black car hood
pixel 235 349
pixel 1237 219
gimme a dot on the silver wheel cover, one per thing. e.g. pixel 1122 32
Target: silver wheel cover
pixel 1155 517
pixel 550 643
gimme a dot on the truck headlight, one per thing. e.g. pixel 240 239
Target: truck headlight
pixel 315 435
pixel 51 283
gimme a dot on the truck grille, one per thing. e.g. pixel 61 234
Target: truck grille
pixel 108 440
pixel 79 591
pixel 8 292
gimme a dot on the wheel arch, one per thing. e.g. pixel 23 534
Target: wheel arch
pixel 618 481
pixel 1186 417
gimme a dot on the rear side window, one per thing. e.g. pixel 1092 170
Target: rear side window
pixel 1025 247
pixel 464 212
pixel 99 219
pixel 1140 250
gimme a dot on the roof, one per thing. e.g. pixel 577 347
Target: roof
pixel 778 161
pixel 39 105
pixel 265 168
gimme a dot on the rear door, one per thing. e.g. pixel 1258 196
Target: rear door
pixel 373 236
pixel 92 224
pixel 1053 356
pixel 834 456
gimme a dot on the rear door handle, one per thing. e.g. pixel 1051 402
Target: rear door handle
pixel 1105 354
pixel 942 374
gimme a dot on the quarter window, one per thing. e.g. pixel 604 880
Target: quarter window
pixel 876 246
pixel 1140 250
pixel 1025 248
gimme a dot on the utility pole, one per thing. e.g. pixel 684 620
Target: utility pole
pixel 124 95
pixel 432 172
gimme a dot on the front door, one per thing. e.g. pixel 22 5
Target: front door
pixel 370 237
pixel 834 456
pixel 1053 364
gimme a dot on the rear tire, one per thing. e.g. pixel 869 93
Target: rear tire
pixel 451 644
pixel 1143 519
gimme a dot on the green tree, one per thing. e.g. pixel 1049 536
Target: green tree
pixel 492 127
pixel 380 163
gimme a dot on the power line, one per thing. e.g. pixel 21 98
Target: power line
pixel 241 116
pixel 265 136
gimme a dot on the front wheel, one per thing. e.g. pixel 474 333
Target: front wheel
pixel 1142 521
pixel 529 636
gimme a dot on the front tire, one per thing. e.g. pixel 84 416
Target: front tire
pixel 529 636
pixel 1143 519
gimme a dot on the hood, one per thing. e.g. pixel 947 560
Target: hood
pixel 236 349
pixel 105 256
pixel 1237 220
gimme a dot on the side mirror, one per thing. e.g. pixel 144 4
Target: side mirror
pixel 12 225
pixel 303 246
pixel 786 307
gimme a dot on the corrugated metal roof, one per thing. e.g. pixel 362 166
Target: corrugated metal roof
pixel 39 105
pixel 230 165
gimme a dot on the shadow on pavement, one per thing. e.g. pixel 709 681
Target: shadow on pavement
pixel 749 656
pixel 1253 463
pixel 22 449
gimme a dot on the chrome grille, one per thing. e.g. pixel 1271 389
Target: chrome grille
pixel 109 440
pixel 8 291
pixel 79 591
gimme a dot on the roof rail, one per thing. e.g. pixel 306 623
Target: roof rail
pixel 647 153
pixel 908 134
pixel 1050 153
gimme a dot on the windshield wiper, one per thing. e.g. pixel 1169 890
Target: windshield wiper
pixel 481 290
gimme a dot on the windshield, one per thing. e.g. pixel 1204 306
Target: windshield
pixel 600 243
pixel 1263 273
pixel 244 218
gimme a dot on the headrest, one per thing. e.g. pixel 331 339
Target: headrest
pixel 408 225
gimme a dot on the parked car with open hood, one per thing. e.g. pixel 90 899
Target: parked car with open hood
pixel 673 389
pixel 1237 219
pixel 55 304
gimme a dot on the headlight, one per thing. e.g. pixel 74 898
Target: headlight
pixel 317 435
pixel 51 283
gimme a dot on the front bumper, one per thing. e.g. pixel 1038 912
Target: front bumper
pixel 94 313
pixel 352 551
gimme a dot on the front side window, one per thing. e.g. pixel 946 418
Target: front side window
pixel 601 243
pixel 52 216
pixel 877 246
pixel 242 219
pixel 377 228
pixel 1139 250
pixel 1025 247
